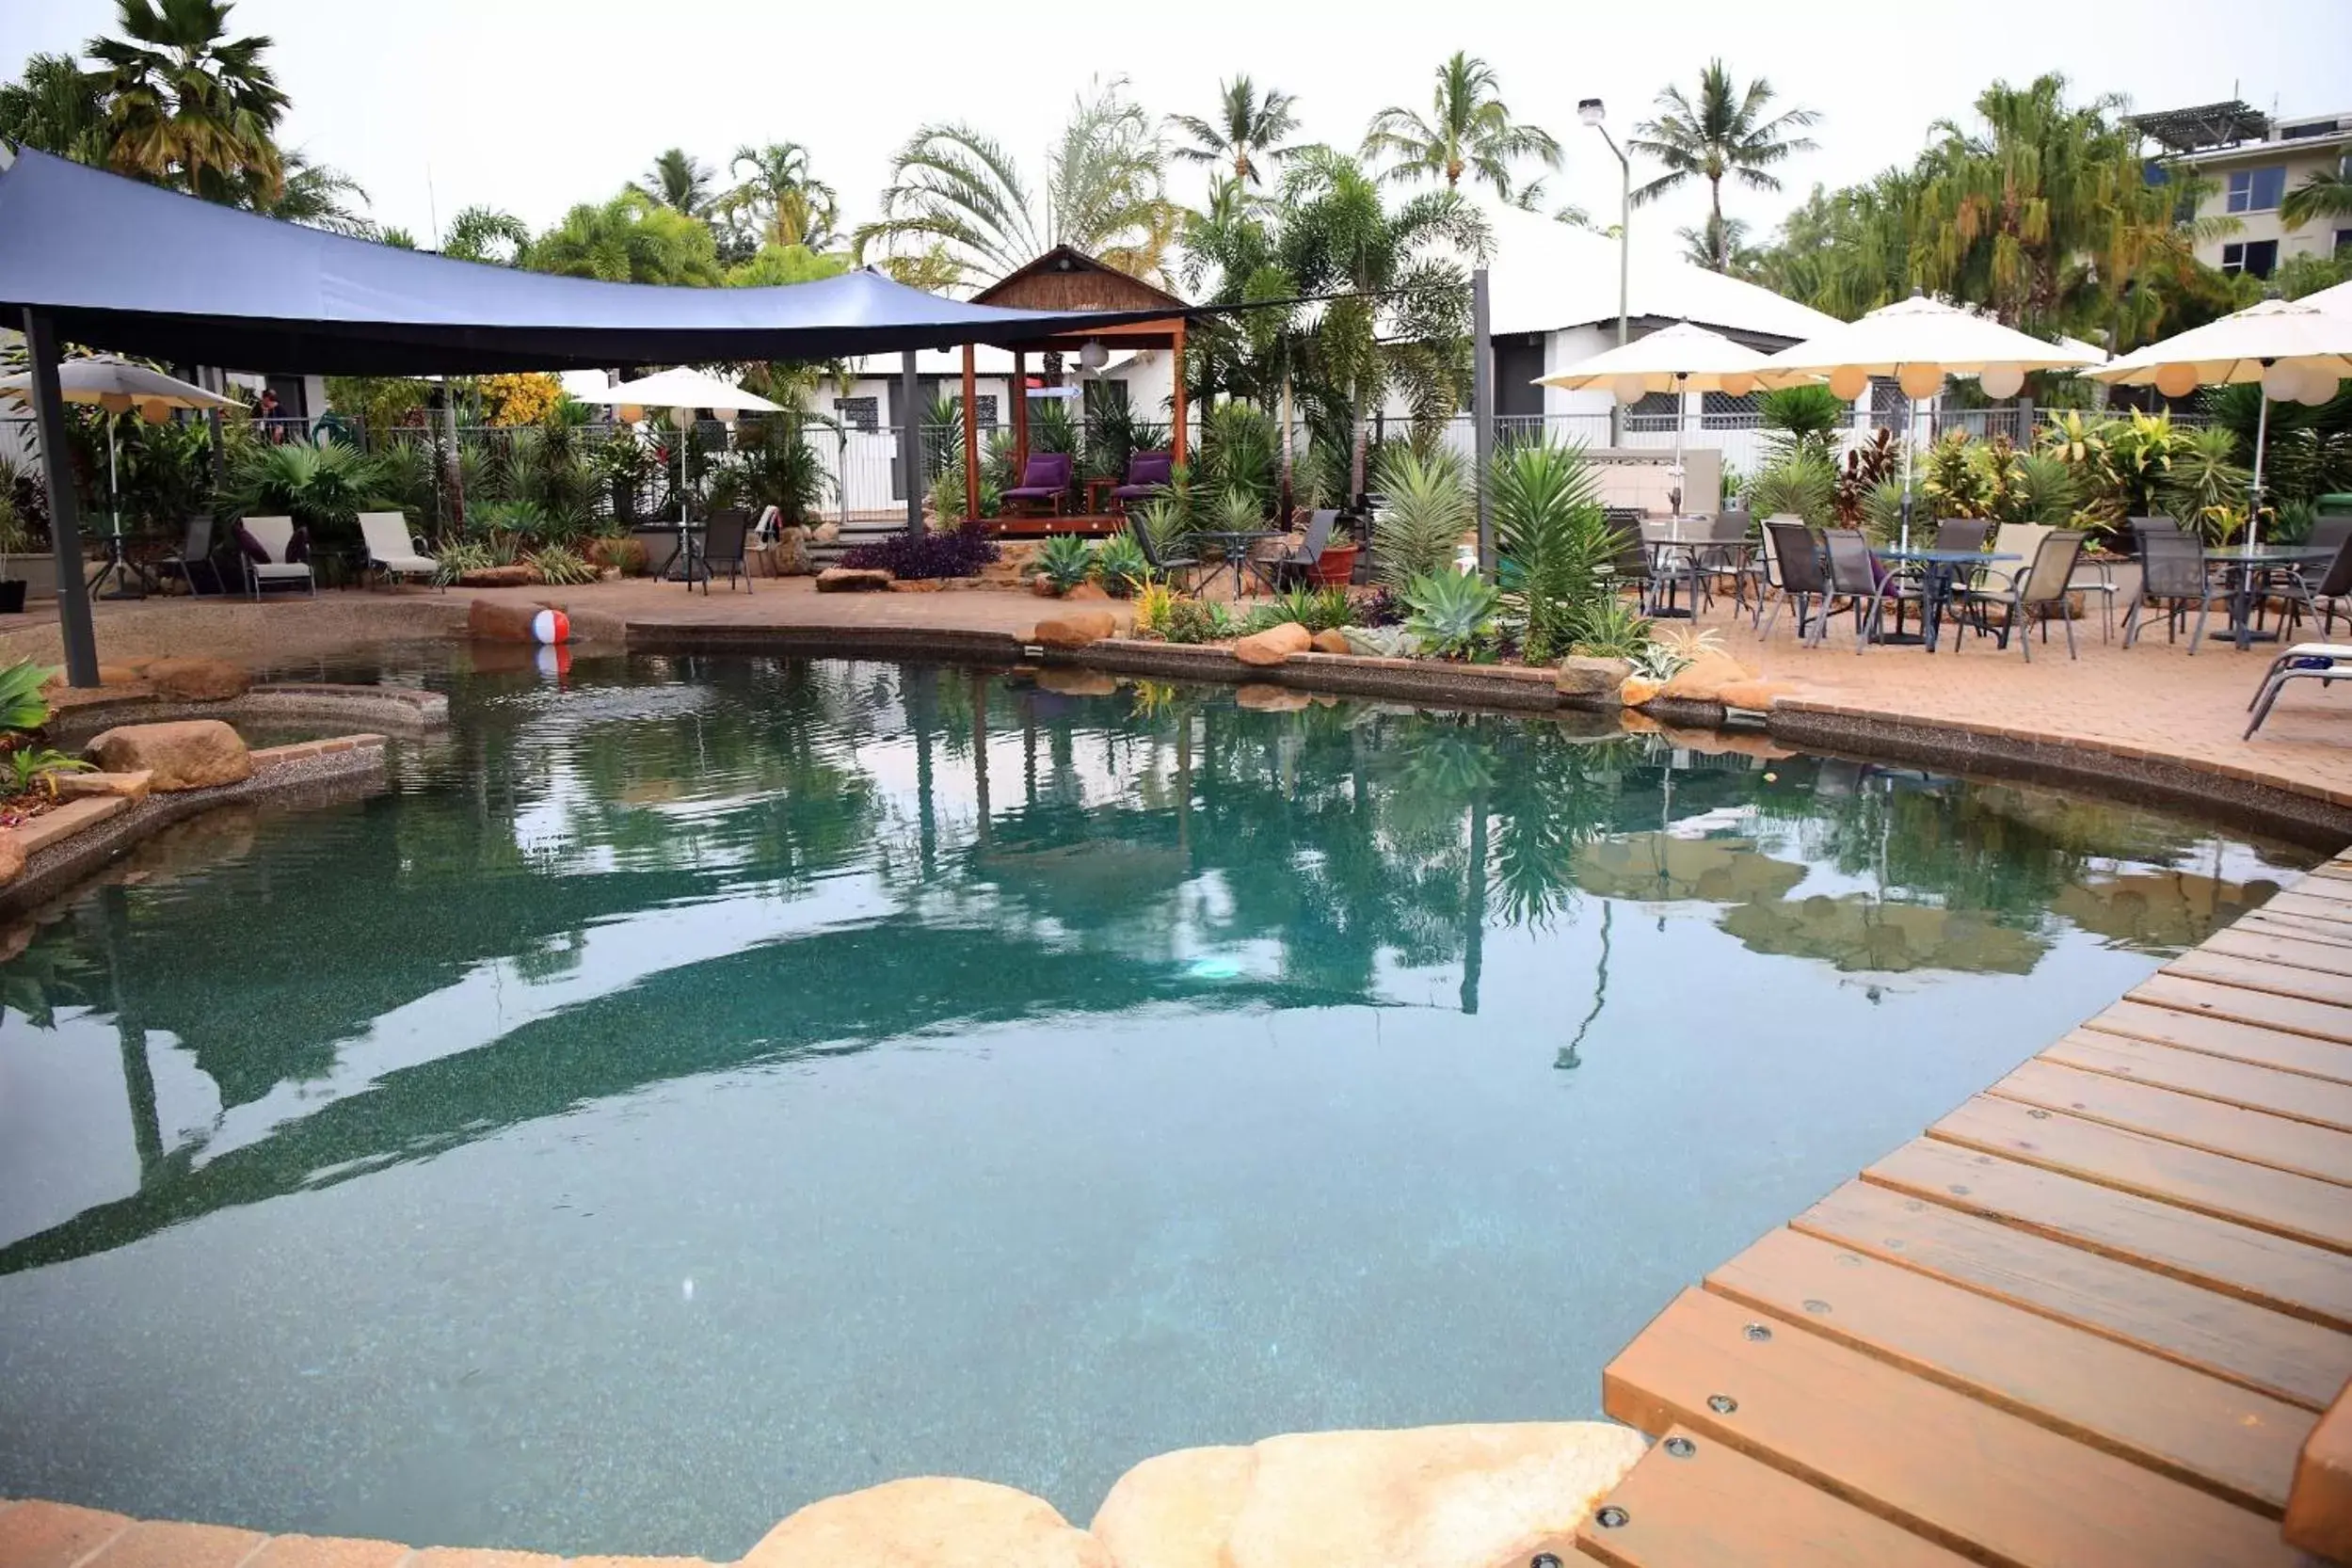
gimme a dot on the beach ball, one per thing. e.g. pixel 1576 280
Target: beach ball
pixel 553 662
pixel 2002 380
pixel 2176 380
pixel 1920 381
pixel 550 628
pixel 1847 382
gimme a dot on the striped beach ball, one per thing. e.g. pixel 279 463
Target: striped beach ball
pixel 550 628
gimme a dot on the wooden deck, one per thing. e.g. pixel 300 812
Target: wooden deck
pixel 2092 1317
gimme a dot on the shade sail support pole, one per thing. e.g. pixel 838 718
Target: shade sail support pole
pixel 2262 439
pixel 1482 435
pixel 910 440
pixel 971 436
pixel 65 532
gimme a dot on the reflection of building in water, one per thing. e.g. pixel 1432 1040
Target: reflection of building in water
pixel 1861 933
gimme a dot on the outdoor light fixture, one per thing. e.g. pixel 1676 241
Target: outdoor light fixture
pixel 1590 111
pixel 156 411
pixel 1094 356
pixel 2001 380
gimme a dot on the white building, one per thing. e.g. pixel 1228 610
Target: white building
pixel 2250 162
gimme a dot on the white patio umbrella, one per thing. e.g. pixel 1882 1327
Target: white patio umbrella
pixel 118 385
pixel 2295 348
pixel 1918 342
pixel 683 390
pixel 1678 359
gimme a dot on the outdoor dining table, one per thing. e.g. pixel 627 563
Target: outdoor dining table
pixel 1688 535
pixel 2244 570
pixel 1233 552
pixel 1939 575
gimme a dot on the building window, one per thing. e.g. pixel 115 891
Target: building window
pixel 2257 258
pixel 2343 241
pixel 984 410
pixel 2257 190
pixel 862 414
pixel 1653 411
pixel 1722 411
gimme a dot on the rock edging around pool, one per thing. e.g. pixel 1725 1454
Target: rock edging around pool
pixel 383 709
pixel 1454 1497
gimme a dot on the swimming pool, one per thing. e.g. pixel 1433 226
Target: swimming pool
pixel 695 1087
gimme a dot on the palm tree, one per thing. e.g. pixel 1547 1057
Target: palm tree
pixel 318 195
pixel 957 200
pixel 630 239
pixel 2324 193
pixel 679 181
pixel 1469 131
pixel 56 107
pixel 1720 245
pixel 784 202
pixel 186 105
pixel 1724 134
pixel 477 234
pixel 1247 127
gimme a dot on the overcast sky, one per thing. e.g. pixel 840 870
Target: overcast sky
pixel 534 105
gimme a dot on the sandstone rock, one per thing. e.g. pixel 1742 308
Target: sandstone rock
pixel 515 576
pixel 110 674
pixel 191 754
pixel 1756 696
pixel 929 1522
pixel 1093 593
pixel 852 580
pixel 499 621
pixel 1176 1509
pixel 1586 677
pixel 11 857
pixel 1703 678
pixel 825 533
pixel 1042 586
pixel 198 679
pixel 789 555
pixel 1075 630
pixel 1275 646
pixel 130 786
pixel 1332 641
pixel 917 585
pixel 1465 1497
pixel 1639 690
pixel 1074 682
pixel 1260 697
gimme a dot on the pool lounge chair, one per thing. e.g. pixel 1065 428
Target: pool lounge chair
pixel 1045 478
pixel 2326 663
pixel 1147 475
pixel 393 554
pixel 265 543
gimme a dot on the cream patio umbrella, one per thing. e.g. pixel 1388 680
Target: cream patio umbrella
pixel 1918 342
pixel 683 391
pixel 117 385
pixel 1678 359
pixel 2297 349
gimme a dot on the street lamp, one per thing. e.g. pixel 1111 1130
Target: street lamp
pixel 1592 112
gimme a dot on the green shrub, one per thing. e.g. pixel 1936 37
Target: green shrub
pixel 559 566
pixel 1612 628
pixel 1324 609
pixel 1804 483
pixel 1453 611
pixel 1428 510
pixel 23 706
pixel 1122 565
pixel 1554 541
pixel 1066 560
pixel 1195 620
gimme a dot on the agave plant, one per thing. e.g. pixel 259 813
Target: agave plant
pixel 1066 560
pixel 22 705
pixel 1428 510
pixel 1122 563
pixel 1163 518
pixel 1453 611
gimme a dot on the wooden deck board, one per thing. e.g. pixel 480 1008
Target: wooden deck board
pixel 2299 1206
pixel 1974 1479
pixel 2302 928
pixel 2290 1359
pixel 2256 1137
pixel 1714 1508
pixel 2239 1003
pixel 2265 944
pixel 2296 1095
pixel 2196 1429
pixel 2271 1270
pixel 2279 979
pixel 2253 1043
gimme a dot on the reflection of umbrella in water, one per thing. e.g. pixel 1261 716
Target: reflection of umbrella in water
pixel 1658 866
pixel 1855 932
pixel 1095 878
pixel 2158 908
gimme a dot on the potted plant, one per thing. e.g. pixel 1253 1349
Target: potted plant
pixel 1335 565
pixel 15 540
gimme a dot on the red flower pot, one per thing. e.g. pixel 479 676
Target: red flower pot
pixel 1335 565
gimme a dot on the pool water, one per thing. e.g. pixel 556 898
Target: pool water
pixel 697 1087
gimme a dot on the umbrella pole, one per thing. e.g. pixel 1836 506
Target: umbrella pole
pixel 2254 497
pixel 114 485
pixel 686 534
pixel 1681 490
pixel 1911 428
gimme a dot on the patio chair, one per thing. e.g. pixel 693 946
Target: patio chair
pixel 393 554
pixel 2323 586
pixel 2326 663
pixel 1294 567
pixel 1166 567
pixel 265 543
pixel 723 541
pixel 2171 572
pixel 1961 532
pixel 1147 475
pixel 1045 478
pixel 1720 558
pixel 2048 578
pixel 1856 576
pixel 196 551
pixel 1796 556
pixel 1630 567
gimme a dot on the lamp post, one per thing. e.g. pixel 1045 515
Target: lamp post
pixel 1592 112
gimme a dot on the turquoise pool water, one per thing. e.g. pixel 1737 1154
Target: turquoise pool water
pixel 696 1087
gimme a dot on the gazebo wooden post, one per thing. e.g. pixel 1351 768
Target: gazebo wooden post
pixel 971 436
pixel 1176 433
pixel 1020 415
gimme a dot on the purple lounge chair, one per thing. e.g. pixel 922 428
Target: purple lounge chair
pixel 1147 473
pixel 1046 478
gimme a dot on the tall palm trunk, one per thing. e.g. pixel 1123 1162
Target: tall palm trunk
pixel 1719 240
pixel 1287 492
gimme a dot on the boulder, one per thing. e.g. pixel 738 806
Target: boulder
pixel 198 679
pixel 1260 697
pixel 825 533
pixel 1755 695
pixel 1092 593
pixel 1703 678
pixel 515 576
pixel 929 1522
pixel 1064 681
pixel 501 621
pixel 190 754
pixel 1075 630
pixel 1464 1497
pixel 1332 641
pixel 11 860
pixel 1581 676
pixel 789 555
pixel 1275 646
pixel 130 786
pixel 1175 1510
pixel 123 674
pixel 1042 586
pixel 1639 690
pixel 852 580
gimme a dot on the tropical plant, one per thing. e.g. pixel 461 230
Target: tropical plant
pixel 1238 509
pixel 1196 620
pixel 460 556
pixel 1555 542
pixel 24 705
pixel 487 234
pixel 1453 611
pixel 1720 246
pixel 628 239
pixel 1666 654
pixel 1238 452
pixel 679 181
pixel 318 195
pixel 1468 131
pixel 34 767
pixel 2205 486
pixel 959 191
pixel 1867 466
pixel 1801 484
pixel 1122 565
pixel 1612 628
pixel 1115 434
pixel 1163 518
pixel 1879 509
pixel 777 200
pixel 1066 561
pixel 1247 127
pixel 1724 132
pixel 517 399
pixel 1153 601
pixel 776 466
pixel 1324 609
pixel 1429 508
pixel 1800 418
pixel 915 557
pixel 2324 193
pixel 56 106
pixel 559 566
pixel 323 487
pixel 187 105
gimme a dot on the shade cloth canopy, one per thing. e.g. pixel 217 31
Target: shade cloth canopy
pixel 683 388
pixel 2241 346
pixel 1681 356
pixel 138 269
pixel 102 376
pixel 1923 334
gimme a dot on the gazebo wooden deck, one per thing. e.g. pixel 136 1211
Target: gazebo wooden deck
pixel 2101 1314
pixel 1057 281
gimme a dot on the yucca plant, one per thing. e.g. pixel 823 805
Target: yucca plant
pixel 559 566
pixel 1453 611
pixel 1804 483
pixel 1066 560
pixel 22 705
pixel 1239 510
pixel 1611 628
pixel 1122 565
pixel 1163 518
pixel 1428 510
pixel 1554 539
pixel 2206 486
pixel 1324 609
